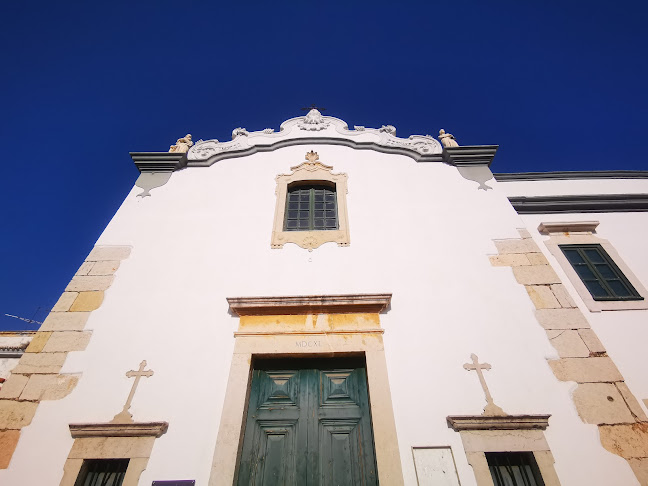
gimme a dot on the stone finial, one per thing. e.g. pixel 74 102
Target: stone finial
pixel 182 145
pixel 447 139
pixel 312 157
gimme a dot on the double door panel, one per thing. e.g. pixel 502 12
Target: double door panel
pixel 308 424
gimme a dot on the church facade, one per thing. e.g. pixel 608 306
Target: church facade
pixel 326 305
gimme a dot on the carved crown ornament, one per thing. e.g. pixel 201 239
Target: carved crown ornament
pixel 314 128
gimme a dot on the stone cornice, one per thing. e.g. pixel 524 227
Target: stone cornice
pixel 572 175
pixel 309 304
pixel 469 155
pixel 567 226
pixel 159 161
pixel 137 429
pixel 590 203
pixel 499 422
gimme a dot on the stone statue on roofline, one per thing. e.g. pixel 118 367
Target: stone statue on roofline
pixel 182 145
pixel 447 139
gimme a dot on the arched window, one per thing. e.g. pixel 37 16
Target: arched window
pixel 311 207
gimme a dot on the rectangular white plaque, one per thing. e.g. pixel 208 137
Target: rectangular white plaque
pixel 435 466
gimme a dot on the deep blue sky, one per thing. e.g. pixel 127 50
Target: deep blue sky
pixel 558 85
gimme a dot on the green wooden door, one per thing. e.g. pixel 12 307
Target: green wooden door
pixel 308 424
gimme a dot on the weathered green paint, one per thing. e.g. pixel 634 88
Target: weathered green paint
pixel 308 423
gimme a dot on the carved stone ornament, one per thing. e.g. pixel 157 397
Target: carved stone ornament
pixel 315 128
pixel 313 121
pixel 447 139
pixel 182 145
pixel 311 170
pixel 239 132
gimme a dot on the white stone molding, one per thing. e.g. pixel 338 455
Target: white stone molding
pixel 568 227
pixel 313 171
pixel 315 128
pixel 135 429
pixel 499 422
pixel 309 304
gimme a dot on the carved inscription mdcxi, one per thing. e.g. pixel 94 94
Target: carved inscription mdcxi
pixel 309 344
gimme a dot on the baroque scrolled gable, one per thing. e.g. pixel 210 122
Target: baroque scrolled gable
pixel 315 128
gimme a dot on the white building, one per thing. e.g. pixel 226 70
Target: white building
pixel 308 301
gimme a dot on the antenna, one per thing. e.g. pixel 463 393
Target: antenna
pixel 30 321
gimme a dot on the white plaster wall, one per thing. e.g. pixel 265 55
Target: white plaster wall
pixel 420 231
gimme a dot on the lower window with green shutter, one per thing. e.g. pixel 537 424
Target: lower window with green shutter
pixel 514 469
pixel 102 472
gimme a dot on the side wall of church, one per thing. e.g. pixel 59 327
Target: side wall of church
pixel 418 230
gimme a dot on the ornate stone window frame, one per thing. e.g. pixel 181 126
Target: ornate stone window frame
pixel 581 232
pixel 132 441
pixel 308 172
pixel 523 433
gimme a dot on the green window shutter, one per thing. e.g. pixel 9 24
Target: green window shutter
pixel 514 469
pixel 601 276
pixel 311 208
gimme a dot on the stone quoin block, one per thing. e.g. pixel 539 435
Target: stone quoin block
pixel 65 321
pixel 8 443
pixel 631 401
pixel 535 275
pixel 628 441
pixel 542 297
pixel 63 341
pixel 509 260
pixel 13 387
pixel 85 268
pixel 87 301
pixel 38 342
pixel 601 403
pixel 64 302
pixel 561 319
pixel 586 370
pixel 590 338
pixel 89 283
pixel 48 387
pixel 560 291
pixel 640 468
pixel 16 415
pixel 516 246
pixel 537 259
pixel 107 267
pixel 568 343
pixel 101 253
pixel 40 363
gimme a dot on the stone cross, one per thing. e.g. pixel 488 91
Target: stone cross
pixel 490 408
pixel 124 416
pixel 313 107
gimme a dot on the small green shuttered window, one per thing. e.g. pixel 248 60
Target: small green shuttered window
pixel 311 208
pixel 514 469
pixel 102 472
pixel 598 272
